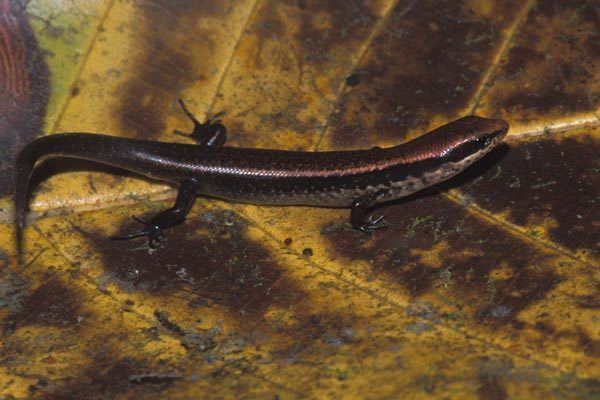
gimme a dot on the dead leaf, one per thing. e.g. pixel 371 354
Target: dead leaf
pixel 487 287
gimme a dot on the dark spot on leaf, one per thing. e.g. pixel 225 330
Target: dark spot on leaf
pixel 491 388
pixel 168 62
pixel 13 292
pixel 50 304
pixel 210 258
pixel 558 180
pixel 316 334
pixel 550 97
pixel 164 320
pixel 108 376
pixel 590 346
pixel 346 21
pixel 552 65
pixel 520 58
pixel 433 225
pixel 154 378
pixel 199 342
pixel 428 60
pixel 353 79
pixel 590 301
pixel 576 339
pixel 491 380
pixel 545 328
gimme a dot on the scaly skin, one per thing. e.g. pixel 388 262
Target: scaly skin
pixel 357 179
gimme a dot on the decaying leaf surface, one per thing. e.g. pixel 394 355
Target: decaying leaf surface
pixel 484 287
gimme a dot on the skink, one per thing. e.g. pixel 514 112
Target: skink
pixel 357 179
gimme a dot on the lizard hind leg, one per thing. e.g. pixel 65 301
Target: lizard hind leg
pixel 151 230
pixel 154 227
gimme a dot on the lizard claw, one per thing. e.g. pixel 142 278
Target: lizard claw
pixel 153 232
pixel 373 223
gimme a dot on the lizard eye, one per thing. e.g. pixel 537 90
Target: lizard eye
pixel 485 141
